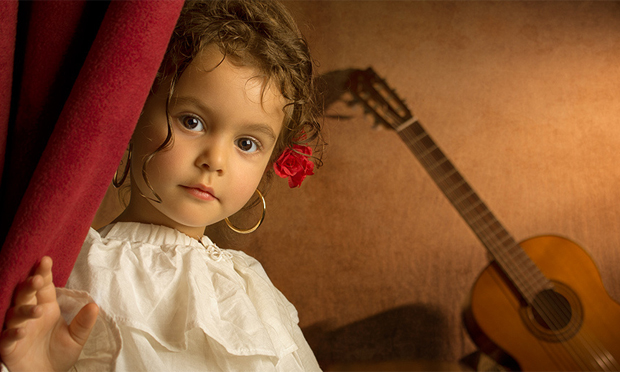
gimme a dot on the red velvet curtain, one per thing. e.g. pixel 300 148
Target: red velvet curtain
pixel 74 76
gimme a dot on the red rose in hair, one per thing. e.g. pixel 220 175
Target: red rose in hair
pixel 294 164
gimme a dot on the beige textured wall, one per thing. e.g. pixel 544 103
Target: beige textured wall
pixel 523 97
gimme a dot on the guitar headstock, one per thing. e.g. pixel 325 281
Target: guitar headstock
pixel 379 99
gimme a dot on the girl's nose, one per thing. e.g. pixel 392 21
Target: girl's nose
pixel 213 157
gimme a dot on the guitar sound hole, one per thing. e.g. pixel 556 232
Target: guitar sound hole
pixel 551 310
pixel 555 315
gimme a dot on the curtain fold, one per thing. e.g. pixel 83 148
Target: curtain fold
pixel 8 25
pixel 75 75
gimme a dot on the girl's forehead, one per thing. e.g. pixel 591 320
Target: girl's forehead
pixel 210 59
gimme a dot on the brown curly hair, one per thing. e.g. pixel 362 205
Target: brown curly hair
pixel 257 33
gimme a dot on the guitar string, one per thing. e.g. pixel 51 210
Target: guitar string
pixel 549 310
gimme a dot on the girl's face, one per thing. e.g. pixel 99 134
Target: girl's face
pixel 225 128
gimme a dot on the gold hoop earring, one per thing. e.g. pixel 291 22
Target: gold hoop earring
pixel 115 180
pixel 252 229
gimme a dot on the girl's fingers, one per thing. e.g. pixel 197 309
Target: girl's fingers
pixel 47 292
pixel 26 291
pixel 9 337
pixel 83 323
pixel 45 269
pixel 17 315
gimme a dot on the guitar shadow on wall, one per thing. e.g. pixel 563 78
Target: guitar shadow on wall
pixel 332 87
pixel 410 332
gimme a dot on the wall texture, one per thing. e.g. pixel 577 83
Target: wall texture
pixel 522 96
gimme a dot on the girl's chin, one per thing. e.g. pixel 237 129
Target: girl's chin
pixel 191 219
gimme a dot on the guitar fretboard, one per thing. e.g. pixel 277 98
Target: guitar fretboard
pixel 515 263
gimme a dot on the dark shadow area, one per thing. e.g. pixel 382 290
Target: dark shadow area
pixel 332 87
pixel 411 332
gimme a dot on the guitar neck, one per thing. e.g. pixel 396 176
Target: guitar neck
pixel 515 263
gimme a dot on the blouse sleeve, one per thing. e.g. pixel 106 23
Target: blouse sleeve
pixel 103 344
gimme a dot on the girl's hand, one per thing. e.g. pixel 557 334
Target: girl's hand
pixel 36 337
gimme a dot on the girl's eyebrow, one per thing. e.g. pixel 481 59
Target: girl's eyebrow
pixel 262 128
pixel 189 101
pixel 258 127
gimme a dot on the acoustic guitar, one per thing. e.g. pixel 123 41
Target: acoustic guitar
pixel 540 304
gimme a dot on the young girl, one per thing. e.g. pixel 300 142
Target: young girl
pixel 232 98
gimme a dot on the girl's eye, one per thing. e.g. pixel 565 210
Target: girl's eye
pixel 248 145
pixel 192 123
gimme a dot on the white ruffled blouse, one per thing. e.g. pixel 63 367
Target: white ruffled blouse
pixel 171 303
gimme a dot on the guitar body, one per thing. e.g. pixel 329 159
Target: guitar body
pixel 505 328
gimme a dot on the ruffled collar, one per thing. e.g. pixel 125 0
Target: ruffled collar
pixel 161 236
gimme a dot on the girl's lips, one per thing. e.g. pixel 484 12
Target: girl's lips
pixel 201 192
